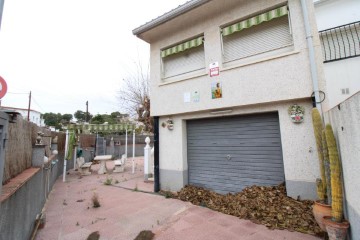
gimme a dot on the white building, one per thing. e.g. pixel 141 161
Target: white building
pixel 34 116
pixel 338 23
pixel 223 75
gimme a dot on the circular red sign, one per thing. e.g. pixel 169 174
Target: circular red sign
pixel 3 87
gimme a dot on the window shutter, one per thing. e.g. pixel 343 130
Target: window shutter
pixel 265 37
pixel 184 62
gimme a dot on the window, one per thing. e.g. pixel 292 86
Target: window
pixel 183 58
pixel 260 34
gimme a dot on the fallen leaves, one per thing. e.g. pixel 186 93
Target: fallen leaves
pixel 269 206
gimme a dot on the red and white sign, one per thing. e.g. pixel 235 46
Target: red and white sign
pixel 3 87
pixel 214 69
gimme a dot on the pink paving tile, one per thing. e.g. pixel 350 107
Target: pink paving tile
pixel 124 213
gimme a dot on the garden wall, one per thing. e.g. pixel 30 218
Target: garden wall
pixel 345 120
pixel 24 187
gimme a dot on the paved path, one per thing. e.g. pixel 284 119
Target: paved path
pixel 125 211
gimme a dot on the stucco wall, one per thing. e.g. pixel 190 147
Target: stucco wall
pixel 275 77
pixel 346 11
pixel 340 75
pixel 345 73
pixel 298 146
pixel 345 121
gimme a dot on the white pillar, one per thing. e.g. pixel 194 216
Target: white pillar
pixel 133 160
pixel 147 156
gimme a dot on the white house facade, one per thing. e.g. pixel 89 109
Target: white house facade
pixel 34 116
pixel 223 77
pixel 339 28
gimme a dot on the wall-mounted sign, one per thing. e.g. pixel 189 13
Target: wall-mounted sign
pixel 3 87
pixel 187 97
pixel 214 69
pixel 216 90
pixel 195 96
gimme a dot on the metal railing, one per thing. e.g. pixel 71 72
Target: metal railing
pixel 340 42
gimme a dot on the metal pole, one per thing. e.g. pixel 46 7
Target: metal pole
pixel 156 156
pixel 1 10
pixel 28 115
pixel 75 150
pixel 133 160
pixel 66 151
pixel 87 111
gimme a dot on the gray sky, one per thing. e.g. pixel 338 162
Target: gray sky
pixel 69 51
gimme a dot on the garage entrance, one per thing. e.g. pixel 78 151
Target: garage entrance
pixel 230 153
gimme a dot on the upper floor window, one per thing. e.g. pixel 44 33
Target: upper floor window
pixel 259 34
pixel 183 58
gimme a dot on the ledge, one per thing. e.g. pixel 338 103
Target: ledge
pixel 242 64
pixel 17 182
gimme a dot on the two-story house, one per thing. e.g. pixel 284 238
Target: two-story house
pixel 223 76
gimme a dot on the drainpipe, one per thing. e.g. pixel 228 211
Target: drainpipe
pixel 156 155
pixel 313 69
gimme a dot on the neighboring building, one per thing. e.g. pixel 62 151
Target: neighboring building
pixel 339 25
pixel 34 115
pixel 232 129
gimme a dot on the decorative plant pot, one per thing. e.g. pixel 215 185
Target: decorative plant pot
pixel 321 210
pixel 335 230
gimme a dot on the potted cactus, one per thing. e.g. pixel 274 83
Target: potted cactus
pixel 336 225
pixel 322 207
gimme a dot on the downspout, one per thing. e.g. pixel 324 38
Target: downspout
pixel 156 155
pixel 313 69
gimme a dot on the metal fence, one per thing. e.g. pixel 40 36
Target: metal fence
pixel 340 42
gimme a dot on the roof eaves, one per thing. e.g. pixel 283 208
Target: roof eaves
pixel 190 5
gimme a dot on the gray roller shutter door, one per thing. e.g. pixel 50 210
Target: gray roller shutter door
pixel 228 154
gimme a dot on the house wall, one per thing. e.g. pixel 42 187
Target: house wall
pixel 298 146
pixel 346 11
pixel 345 73
pixel 345 121
pixel 341 75
pixel 253 85
pixel 251 81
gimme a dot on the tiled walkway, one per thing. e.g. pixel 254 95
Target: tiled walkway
pixel 125 211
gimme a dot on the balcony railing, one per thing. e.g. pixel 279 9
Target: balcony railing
pixel 340 42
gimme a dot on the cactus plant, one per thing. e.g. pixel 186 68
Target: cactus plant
pixel 318 128
pixel 336 181
pixel 327 168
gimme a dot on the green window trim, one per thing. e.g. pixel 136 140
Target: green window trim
pixel 182 47
pixel 264 17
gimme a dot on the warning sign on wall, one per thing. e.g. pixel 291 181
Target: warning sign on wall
pixel 214 69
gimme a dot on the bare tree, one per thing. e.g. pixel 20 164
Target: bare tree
pixel 134 97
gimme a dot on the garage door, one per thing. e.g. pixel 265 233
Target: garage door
pixel 228 154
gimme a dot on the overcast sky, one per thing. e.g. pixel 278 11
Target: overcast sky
pixel 69 51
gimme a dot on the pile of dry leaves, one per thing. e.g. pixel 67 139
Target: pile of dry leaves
pixel 263 205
